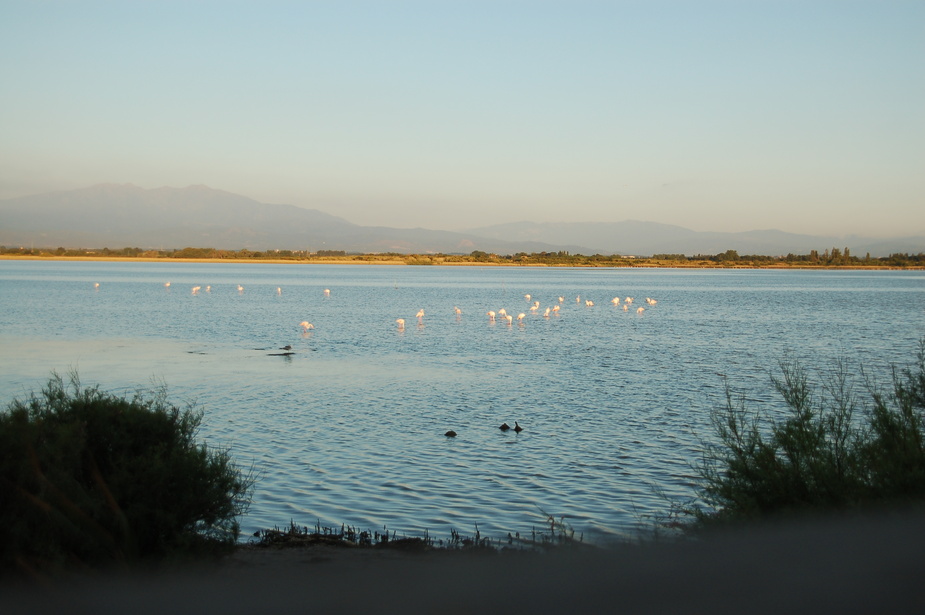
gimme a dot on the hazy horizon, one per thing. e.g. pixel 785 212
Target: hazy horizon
pixel 713 116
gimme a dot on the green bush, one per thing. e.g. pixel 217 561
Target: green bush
pixel 831 452
pixel 91 479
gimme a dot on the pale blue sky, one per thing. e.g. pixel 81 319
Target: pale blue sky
pixel 803 116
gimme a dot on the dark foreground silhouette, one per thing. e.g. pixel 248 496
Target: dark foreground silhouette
pixel 831 566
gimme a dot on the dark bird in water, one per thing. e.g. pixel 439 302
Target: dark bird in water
pixel 517 427
pixel 286 347
pixel 504 427
pixel 450 434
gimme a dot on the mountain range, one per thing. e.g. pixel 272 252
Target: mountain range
pixel 123 215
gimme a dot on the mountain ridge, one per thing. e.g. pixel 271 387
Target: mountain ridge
pixel 121 215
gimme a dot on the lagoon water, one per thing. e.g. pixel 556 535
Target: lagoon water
pixel 349 427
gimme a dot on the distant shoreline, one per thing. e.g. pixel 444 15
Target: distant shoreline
pixel 143 259
pixel 642 264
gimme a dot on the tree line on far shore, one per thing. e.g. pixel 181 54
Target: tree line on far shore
pixel 833 257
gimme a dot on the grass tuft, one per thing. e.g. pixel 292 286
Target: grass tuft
pixel 555 533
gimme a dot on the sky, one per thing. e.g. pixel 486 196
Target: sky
pixel 807 116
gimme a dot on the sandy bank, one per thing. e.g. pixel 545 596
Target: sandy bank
pixel 438 263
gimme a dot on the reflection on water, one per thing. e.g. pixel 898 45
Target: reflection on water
pixel 347 424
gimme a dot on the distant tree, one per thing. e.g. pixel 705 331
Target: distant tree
pixel 193 253
pixel 727 256
pixel 669 257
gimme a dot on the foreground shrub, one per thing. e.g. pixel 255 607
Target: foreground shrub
pixel 89 478
pixel 830 452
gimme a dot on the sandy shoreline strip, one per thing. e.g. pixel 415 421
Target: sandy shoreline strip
pixel 405 263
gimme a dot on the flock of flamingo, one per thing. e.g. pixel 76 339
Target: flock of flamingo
pixel 503 316
pixel 493 316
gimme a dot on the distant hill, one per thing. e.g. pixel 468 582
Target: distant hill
pixel 118 216
pixel 633 237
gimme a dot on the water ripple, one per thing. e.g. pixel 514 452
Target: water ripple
pixel 349 428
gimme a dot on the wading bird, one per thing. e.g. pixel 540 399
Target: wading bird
pixel 306 325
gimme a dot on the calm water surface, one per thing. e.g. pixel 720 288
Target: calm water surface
pixel 349 427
